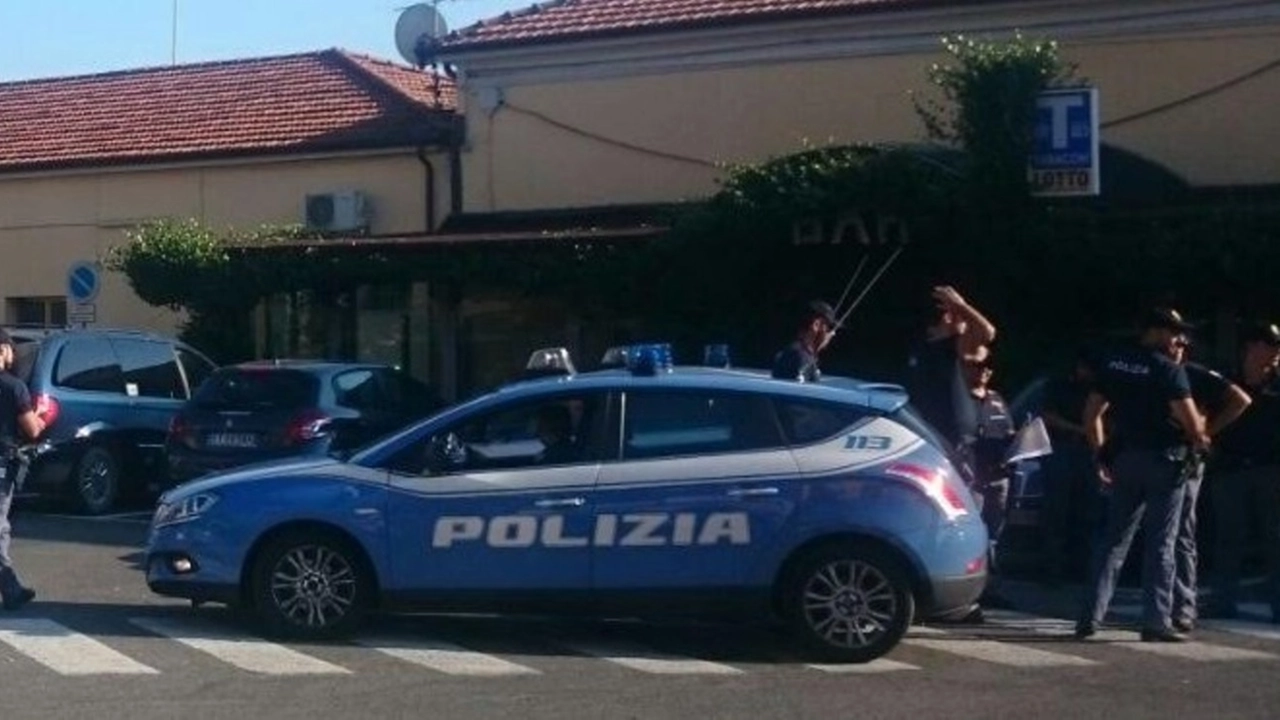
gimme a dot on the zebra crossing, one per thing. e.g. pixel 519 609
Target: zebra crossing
pixel 196 642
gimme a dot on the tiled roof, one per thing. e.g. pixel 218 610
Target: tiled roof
pixel 561 20
pixel 327 100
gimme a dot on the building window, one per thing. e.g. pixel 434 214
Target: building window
pixel 42 311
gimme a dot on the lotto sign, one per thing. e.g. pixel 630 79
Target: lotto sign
pixel 1064 153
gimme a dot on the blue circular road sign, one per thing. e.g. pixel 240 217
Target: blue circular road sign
pixel 83 282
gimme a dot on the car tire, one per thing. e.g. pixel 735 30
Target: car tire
pixel 848 602
pixel 97 480
pixel 310 585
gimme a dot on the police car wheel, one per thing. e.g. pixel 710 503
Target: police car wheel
pixel 849 602
pixel 310 585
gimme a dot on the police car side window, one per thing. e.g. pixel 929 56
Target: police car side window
pixel 811 421
pixel 674 424
pixel 559 430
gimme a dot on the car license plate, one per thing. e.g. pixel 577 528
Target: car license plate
pixel 232 440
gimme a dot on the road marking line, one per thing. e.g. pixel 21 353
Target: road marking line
pixel 1265 631
pixel 244 652
pixel 879 665
pixel 646 660
pixel 65 651
pixel 447 658
pixel 1131 639
pixel 1001 653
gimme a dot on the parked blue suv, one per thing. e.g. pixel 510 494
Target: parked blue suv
pixel 108 397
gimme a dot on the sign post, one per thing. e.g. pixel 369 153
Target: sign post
pixel 1064 158
pixel 83 284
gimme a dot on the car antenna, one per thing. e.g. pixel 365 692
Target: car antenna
pixel 849 286
pixel 870 284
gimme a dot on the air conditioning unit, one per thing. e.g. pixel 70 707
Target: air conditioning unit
pixel 344 211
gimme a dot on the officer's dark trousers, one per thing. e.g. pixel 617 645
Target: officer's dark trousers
pixel 1148 492
pixel 6 500
pixel 1238 497
pixel 1068 512
pixel 1186 553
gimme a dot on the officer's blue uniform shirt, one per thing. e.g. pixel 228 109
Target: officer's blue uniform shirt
pixel 1254 438
pixel 1139 383
pixel 1208 387
pixel 15 400
pixel 795 362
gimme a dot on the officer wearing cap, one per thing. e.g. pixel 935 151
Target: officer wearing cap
pixel 18 424
pixel 1155 426
pixel 991 435
pixel 1245 481
pixel 799 360
pixel 1222 402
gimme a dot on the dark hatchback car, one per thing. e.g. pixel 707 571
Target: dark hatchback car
pixel 272 409
pixel 108 396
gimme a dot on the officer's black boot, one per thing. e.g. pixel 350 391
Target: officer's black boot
pixel 15 595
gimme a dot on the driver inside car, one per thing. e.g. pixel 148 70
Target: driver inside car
pixel 555 430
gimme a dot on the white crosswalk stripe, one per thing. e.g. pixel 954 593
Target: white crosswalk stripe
pixel 1131 640
pixel 65 651
pixel 875 667
pixel 242 651
pixel 1008 639
pixel 646 660
pixel 447 658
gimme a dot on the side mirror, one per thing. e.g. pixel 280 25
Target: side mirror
pixel 446 452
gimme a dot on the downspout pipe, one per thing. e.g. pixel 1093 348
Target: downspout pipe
pixel 429 189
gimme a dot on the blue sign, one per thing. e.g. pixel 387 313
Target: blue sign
pixel 1065 146
pixel 83 282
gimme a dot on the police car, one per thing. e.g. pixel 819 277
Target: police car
pixel 639 491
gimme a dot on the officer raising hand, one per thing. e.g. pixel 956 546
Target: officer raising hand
pixel 1156 428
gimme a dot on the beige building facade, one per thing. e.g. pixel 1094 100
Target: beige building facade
pixel 619 117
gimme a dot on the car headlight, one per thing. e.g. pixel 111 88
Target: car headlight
pixel 184 510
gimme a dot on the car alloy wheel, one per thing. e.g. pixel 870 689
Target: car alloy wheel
pixel 850 602
pixel 97 479
pixel 310 587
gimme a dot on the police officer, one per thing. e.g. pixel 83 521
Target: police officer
pixel 988 441
pixel 18 423
pixel 1246 475
pixel 799 360
pixel 1222 402
pixel 935 378
pixel 1155 426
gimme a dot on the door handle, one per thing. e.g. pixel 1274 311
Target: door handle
pixel 562 502
pixel 752 492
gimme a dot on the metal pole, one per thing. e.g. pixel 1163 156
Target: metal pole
pixel 173 51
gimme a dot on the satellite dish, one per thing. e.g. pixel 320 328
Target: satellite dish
pixel 417 30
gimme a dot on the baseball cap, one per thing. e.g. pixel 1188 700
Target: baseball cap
pixel 820 309
pixel 1166 318
pixel 1261 332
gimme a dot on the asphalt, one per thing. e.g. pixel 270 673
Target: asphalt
pixel 98 643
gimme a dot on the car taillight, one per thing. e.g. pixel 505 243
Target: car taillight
pixel 307 426
pixel 934 484
pixel 46 408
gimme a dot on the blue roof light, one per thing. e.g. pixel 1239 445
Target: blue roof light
pixel 549 361
pixel 649 359
pixel 716 355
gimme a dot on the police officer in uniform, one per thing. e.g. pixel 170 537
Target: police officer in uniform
pixel 935 377
pixel 18 424
pixel 1221 402
pixel 988 440
pixel 1155 427
pixel 799 360
pixel 1245 483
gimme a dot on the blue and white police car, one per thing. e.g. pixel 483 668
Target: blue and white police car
pixel 640 491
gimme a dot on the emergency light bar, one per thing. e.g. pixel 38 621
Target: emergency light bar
pixel 549 361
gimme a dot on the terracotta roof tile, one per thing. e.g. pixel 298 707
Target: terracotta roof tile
pixel 560 20
pixel 294 103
